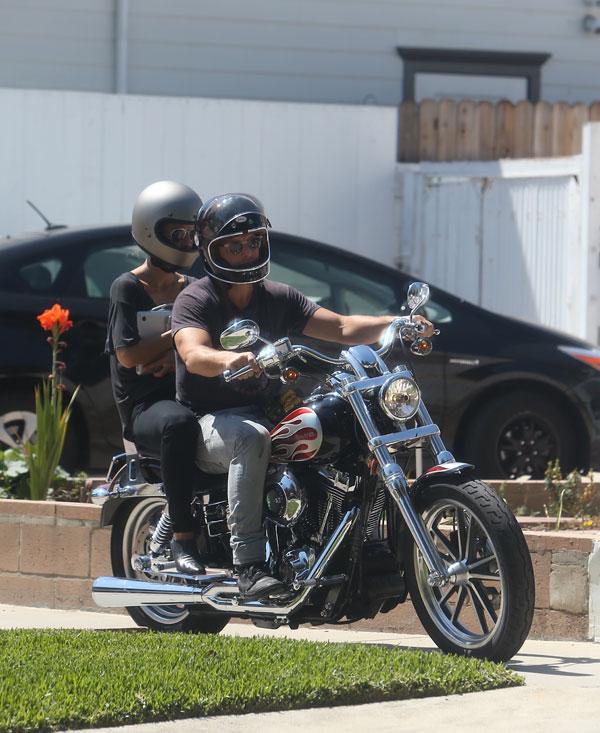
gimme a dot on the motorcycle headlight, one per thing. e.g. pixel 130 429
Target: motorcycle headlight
pixel 399 398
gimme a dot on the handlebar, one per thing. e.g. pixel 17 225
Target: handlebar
pixel 229 376
pixel 408 329
pixel 300 351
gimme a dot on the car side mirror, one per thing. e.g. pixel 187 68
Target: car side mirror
pixel 239 334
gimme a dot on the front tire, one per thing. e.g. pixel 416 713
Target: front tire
pixel 131 534
pixel 487 610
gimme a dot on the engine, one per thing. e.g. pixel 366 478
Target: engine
pixel 304 506
pixel 285 497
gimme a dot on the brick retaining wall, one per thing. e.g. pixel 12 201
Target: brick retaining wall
pixel 53 550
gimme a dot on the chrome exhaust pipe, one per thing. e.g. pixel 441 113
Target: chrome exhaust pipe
pixel 119 592
pixel 218 591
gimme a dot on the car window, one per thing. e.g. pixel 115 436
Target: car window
pixel 436 313
pixel 40 276
pixel 314 288
pixel 364 295
pixel 102 266
pixel 338 286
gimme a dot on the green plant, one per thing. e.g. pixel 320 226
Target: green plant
pixel 574 495
pixel 14 474
pixel 68 487
pixel 14 479
pixel 43 453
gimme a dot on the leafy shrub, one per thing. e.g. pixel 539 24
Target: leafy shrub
pixel 575 495
pixel 14 480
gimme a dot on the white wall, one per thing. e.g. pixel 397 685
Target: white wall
pixel 322 171
pixel 340 51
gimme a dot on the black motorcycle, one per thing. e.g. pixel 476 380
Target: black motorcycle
pixel 347 533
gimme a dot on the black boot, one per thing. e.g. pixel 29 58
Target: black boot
pixel 187 559
pixel 255 582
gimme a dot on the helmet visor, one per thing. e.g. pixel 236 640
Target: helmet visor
pixel 178 235
pixel 241 252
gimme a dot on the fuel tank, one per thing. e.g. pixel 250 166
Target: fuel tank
pixel 322 430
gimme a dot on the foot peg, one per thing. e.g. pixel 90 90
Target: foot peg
pixel 321 582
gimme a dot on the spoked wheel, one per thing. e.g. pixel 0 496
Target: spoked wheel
pixel 131 536
pixel 487 608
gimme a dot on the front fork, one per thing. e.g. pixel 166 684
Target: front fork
pixel 397 486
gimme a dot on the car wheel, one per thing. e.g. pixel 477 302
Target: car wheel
pixel 518 434
pixel 18 425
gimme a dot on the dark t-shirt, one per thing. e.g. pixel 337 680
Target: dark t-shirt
pixel 127 297
pixel 278 309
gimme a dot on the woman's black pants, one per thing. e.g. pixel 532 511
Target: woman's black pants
pixel 170 431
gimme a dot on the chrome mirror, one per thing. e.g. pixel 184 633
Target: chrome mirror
pixel 239 334
pixel 418 295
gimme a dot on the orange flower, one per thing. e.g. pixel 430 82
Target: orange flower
pixel 55 316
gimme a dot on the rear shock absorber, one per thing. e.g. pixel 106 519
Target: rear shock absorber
pixel 163 532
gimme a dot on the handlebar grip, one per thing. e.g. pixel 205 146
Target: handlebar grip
pixel 229 376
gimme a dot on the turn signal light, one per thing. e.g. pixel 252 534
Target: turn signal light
pixel 290 375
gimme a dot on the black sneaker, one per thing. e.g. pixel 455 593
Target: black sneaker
pixel 187 559
pixel 255 582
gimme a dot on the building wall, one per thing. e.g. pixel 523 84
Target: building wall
pixel 57 44
pixel 340 51
pixel 322 171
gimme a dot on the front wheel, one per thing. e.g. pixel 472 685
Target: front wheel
pixel 487 609
pixel 131 535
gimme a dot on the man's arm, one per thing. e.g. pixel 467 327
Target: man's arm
pixel 329 326
pixel 195 348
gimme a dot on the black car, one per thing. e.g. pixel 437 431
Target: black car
pixel 507 395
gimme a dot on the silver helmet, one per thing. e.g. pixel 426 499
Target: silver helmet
pixel 158 207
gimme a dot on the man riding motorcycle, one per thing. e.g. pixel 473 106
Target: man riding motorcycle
pixel 232 234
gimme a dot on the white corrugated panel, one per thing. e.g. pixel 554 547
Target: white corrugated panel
pixel 442 232
pixel 505 235
pixel 322 171
pixel 531 250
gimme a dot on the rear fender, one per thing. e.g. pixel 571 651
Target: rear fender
pixel 130 479
pixel 114 507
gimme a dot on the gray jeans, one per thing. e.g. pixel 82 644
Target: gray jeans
pixel 237 442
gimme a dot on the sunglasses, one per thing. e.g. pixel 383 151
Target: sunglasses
pixel 236 247
pixel 179 236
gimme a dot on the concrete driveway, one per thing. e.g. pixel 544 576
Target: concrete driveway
pixel 562 692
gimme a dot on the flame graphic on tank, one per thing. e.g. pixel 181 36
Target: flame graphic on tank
pixel 297 437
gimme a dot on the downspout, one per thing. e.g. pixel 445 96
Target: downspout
pixel 121 20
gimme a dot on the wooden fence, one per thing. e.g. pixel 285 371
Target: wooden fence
pixel 448 130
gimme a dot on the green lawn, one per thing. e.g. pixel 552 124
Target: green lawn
pixel 77 679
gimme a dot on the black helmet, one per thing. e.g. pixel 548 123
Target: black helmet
pixel 165 202
pixel 226 216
